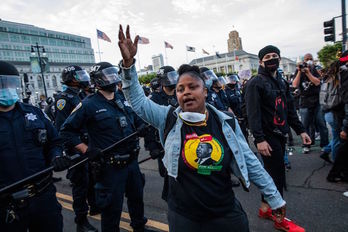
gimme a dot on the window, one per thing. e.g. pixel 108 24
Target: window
pixel 52 42
pixel 34 39
pixel 54 81
pixel 39 82
pixel 25 39
pixel 15 38
pixel 44 41
pixel 3 36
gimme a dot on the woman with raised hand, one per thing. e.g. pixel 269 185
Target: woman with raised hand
pixel 203 147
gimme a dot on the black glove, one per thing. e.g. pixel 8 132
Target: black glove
pixel 94 153
pixel 61 163
pixel 156 153
pixel 142 129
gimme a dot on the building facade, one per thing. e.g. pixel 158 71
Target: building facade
pixel 157 62
pixel 234 42
pixel 61 49
pixel 239 60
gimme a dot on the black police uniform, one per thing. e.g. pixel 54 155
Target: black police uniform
pixel 218 100
pixel 108 122
pixel 28 144
pixel 66 102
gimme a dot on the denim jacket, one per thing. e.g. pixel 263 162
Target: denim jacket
pixel 244 164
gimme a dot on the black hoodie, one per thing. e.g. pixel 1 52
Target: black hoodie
pixel 270 106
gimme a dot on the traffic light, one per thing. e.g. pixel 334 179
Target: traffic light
pixel 329 31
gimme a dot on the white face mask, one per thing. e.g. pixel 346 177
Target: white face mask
pixel 309 62
pixel 192 117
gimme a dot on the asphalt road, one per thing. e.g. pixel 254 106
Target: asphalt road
pixel 312 202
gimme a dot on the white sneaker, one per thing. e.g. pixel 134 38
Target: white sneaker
pixel 305 150
pixel 345 194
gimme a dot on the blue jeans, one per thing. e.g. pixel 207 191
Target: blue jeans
pixel 309 116
pixel 335 141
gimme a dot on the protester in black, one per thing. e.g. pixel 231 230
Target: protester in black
pixel 270 112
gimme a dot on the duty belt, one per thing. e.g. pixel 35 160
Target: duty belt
pixel 119 161
pixel 19 199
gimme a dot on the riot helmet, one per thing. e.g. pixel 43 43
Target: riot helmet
pixel 232 80
pixel 9 84
pixel 168 76
pixel 105 76
pixel 208 76
pixel 74 73
pixel 155 84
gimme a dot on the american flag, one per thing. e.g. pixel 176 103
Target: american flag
pixel 103 36
pixel 168 45
pixel 190 49
pixel 143 40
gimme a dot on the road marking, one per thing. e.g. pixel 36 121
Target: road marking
pixel 123 225
pixel 155 224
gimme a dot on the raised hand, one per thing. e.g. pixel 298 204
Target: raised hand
pixel 127 47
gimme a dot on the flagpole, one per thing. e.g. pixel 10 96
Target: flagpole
pixel 215 58
pixel 186 55
pixel 98 49
pixel 165 52
pixel 139 61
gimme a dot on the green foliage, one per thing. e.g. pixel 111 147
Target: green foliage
pixel 145 79
pixel 253 72
pixel 328 53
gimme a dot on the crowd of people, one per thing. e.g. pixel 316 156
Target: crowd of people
pixel 199 127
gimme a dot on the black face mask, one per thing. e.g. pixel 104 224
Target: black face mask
pixel 109 88
pixel 231 86
pixel 272 65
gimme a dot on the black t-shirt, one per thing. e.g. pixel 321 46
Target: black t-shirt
pixel 203 188
pixel 309 93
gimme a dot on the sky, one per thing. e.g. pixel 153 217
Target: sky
pixel 294 26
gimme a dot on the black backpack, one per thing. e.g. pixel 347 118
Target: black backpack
pixel 171 119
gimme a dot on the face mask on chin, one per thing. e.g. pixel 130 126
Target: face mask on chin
pixel 192 117
pixel 271 65
pixel 8 97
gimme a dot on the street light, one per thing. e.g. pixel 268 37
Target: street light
pixel 37 48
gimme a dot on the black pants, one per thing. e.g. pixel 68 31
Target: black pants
pixel 340 167
pixel 41 214
pixel 274 164
pixel 236 221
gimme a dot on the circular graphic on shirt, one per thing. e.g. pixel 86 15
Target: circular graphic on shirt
pixel 202 153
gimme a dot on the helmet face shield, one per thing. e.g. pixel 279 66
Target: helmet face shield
pixel 110 76
pixel 171 79
pixel 209 75
pixel 222 80
pixel 10 82
pixel 82 76
pixel 232 79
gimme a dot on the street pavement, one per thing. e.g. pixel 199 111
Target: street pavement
pixel 312 202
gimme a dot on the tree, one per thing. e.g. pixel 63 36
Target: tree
pixel 329 53
pixel 145 79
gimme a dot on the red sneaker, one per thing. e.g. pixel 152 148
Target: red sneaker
pixel 266 215
pixel 288 226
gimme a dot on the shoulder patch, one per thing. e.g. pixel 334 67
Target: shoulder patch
pixel 61 104
pixel 77 107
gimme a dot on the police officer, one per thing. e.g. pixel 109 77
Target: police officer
pixel 28 144
pixel 107 121
pixel 163 93
pixel 216 95
pixel 75 79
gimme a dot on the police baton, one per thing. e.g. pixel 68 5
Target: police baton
pixel 109 148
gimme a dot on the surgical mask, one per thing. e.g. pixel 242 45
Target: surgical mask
pixel 192 117
pixel 8 97
pixel 208 83
pixel 64 87
pixel 272 65
pixel 309 62
pixel 109 88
